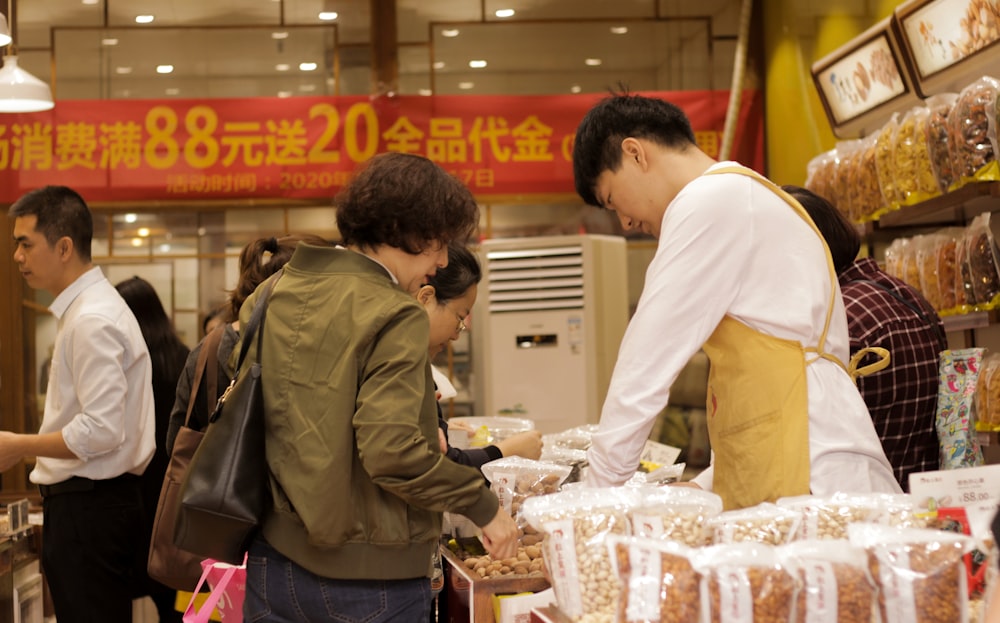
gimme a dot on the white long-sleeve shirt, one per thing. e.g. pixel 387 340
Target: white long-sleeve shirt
pixel 100 392
pixel 729 245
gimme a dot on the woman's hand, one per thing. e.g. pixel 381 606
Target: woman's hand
pixel 527 444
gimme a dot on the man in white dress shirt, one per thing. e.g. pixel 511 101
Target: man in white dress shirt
pixel 740 271
pixel 96 436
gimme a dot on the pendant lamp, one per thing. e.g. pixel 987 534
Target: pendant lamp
pixel 4 31
pixel 19 90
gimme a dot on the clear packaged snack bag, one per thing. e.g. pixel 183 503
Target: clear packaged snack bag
pixel 744 582
pixel 956 409
pixel 834 583
pixel 927 265
pixel 865 194
pixel 820 174
pixel 842 179
pixel 982 255
pixel 884 166
pixel 913 172
pixel 988 394
pixel 938 143
pixel 657 583
pixel 973 130
pixel 763 523
pixel 676 513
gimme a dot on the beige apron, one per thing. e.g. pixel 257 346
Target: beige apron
pixel 758 407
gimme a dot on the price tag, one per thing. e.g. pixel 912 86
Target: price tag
pixel 977 489
pixel 659 453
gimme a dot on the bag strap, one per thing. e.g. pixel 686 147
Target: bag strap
pixel 256 322
pixel 942 338
pixel 207 360
pixel 202 616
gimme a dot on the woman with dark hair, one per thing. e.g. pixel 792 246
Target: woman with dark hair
pixel 259 260
pixel 167 354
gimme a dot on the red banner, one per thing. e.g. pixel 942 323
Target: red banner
pixel 307 147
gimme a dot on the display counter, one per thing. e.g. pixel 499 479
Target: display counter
pixel 470 597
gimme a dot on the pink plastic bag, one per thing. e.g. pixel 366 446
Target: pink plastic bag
pixel 228 585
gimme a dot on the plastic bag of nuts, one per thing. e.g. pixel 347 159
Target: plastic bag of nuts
pixel 827 517
pixel 514 479
pixel 883 162
pixel 744 582
pixel 988 394
pixel 820 174
pixel 842 194
pixel 657 583
pixel 983 256
pixel 676 513
pixel 947 266
pixel 834 583
pixel 575 524
pixel 920 573
pixel 763 523
pixel 913 172
pixel 927 266
pixel 942 162
pixel 972 128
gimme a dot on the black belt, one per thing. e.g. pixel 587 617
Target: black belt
pixel 79 484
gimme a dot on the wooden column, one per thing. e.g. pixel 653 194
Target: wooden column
pixel 385 47
pixel 12 350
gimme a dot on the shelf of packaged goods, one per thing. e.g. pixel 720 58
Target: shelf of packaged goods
pixel 956 207
pixel 967 322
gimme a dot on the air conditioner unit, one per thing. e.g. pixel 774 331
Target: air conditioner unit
pixel 548 322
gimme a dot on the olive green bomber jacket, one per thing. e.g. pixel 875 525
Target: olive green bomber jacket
pixel 357 475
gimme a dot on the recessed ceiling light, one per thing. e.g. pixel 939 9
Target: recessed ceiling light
pixel 308 66
pixel 109 41
pixel 131 217
pixel 575 88
pixel 144 19
pixel 164 248
pixel 477 64
pixel 172 91
pixel 425 92
pixel 307 88
pixel 593 62
pixel 143 231
pixel 123 70
pixel 90 1
pixel 465 86
pixel 328 16
pixel 504 13
pixel 619 30
pixel 282 67
pixel 438 64
pixel 137 242
pixel 164 69
pixel 449 32
pixel 284 93
pixel 279 34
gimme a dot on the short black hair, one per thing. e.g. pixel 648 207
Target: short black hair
pixel 840 234
pixel 455 279
pixel 405 201
pixel 597 146
pixel 59 211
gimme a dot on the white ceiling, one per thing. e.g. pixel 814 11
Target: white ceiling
pixel 225 48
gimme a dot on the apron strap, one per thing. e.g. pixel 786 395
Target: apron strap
pixel 791 201
pixel 855 370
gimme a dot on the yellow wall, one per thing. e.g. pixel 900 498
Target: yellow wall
pixel 796 125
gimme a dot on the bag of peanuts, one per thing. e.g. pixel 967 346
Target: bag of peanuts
pixel 744 582
pixel 827 517
pixel 657 583
pixel 942 162
pixel 919 573
pixel 972 124
pixel 834 583
pixel 884 167
pixel 514 479
pixel 913 172
pixel 988 394
pixel 575 524
pixel 677 514
pixel 763 523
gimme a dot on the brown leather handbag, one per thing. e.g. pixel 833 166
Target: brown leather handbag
pixel 167 563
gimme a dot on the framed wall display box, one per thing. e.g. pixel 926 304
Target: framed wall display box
pixel 949 43
pixel 864 81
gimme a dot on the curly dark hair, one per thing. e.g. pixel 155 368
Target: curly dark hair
pixel 405 201
pixel 597 146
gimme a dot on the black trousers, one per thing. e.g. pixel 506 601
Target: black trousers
pixel 91 539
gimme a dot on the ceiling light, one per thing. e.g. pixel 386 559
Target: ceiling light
pixel 449 32
pixel 20 91
pixel 137 242
pixel 465 86
pixel 575 88
pixel 308 66
pixel 172 91
pixel 281 34
pixel 282 67
pixel 123 70
pixel 164 248
pixel 164 69
pixel 438 64
pixel 144 19
pixel 425 92
pixel 90 1
pixel 109 41
pixel 593 62
pixel 307 88
pixel 131 217
pixel 328 16
pixel 477 64
pixel 504 13
pixel 619 30
pixel 284 93
pixel 4 31
pixel 143 231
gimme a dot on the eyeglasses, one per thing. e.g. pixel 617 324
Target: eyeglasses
pixel 459 317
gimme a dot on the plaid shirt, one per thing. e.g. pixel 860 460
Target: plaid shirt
pixel 902 398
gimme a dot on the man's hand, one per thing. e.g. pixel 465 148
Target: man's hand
pixel 10 450
pixel 442 441
pixel 527 444
pixel 500 536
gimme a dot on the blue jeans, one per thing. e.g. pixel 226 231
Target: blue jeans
pixel 281 591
